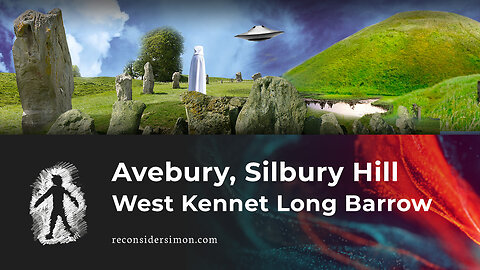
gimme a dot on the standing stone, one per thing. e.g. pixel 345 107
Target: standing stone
pixel 211 115
pixel 330 125
pixel 148 79
pixel 176 80
pixel 256 76
pixel 123 85
pixel 181 127
pixel 126 116
pixel 404 122
pixel 43 69
pixel 73 122
pixel 207 79
pixel 478 91
pixel 379 126
pixel 238 77
pixel 273 107
pixel 417 110
pixel 148 130
pixel 358 128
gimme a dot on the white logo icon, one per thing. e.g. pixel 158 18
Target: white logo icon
pixel 58 206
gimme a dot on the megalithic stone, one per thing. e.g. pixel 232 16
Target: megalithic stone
pixel 43 69
pixel 148 79
pixel 176 80
pixel 478 91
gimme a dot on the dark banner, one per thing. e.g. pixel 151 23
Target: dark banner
pixel 296 202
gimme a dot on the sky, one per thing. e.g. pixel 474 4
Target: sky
pixel 103 35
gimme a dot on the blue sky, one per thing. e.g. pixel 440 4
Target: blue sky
pixel 103 35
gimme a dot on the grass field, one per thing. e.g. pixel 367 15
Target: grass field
pixel 408 51
pixel 95 96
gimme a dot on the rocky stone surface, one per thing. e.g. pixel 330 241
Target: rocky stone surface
pixel 211 115
pixel 238 77
pixel 148 79
pixel 123 85
pixel 256 76
pixel 181 127
pixel 274 106
pixel 43 69
pixel 176 80
pixel 405 122
pixel 73 122
pixel 312 125
pixel 379 126
pixel 148 130
pixel 330 125
pixel 359 128
pixel 126 116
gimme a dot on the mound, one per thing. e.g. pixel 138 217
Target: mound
pixel 408 51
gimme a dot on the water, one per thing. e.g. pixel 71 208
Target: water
pixel 353 109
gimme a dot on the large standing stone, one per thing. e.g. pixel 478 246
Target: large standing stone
pixel 330 125
pixel 273 107
pixel 123 85
pixel 359 128
pixel 256 76
pixel 126 116
pixel 43 69
pixel 379 126
pixel 211 115
pixel 405 122
pixel 148 79
pixel 238 77
pixel 176 80
pixel 73 122
pixel 181 127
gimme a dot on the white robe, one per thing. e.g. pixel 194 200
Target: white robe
pixel 196 77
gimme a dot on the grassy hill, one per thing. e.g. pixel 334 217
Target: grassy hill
pixel 95 96
pixel 454 101
pixel 408 51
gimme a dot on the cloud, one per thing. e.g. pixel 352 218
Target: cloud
pixel 90 26
pixel 3 67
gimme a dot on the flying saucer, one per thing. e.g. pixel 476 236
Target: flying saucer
pixel 258 33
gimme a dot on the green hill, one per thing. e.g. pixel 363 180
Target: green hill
pixel 454 101
pixel 408 51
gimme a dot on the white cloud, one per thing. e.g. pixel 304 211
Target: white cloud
pixel 90 26
pixel 3 68
pixel 75 49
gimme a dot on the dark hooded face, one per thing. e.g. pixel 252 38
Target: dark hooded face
pixel 57 180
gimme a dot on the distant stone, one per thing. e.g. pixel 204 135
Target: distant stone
pixel 43 69
pixel 148 130
pixel 231 80
pixel 181 127
pixel 207 79
pixel 148 79
pixel 274 106
pixel 123 85
pixel 417 110
pixel 312 125
pixel 359 128
pixel 126 116
pixel 176 80
pixel 405 122
pixel 73 122
pixel 379 126
pixel 238 77
pixel 256 76
pixel 211 115
pixel 330 125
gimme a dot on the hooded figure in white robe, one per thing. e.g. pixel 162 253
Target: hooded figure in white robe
pixel 196 77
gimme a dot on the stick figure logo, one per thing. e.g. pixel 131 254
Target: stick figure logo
pixel 58 206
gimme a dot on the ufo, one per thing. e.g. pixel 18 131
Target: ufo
pixel 259 33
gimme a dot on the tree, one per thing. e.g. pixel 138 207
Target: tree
pixel 76 71
pixel 128 69
pixel 161 47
